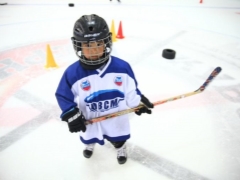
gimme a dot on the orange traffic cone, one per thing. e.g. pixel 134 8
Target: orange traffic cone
pixel 113 32
pixel 50 62
pixel 120 33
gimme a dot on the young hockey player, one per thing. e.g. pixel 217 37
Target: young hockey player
pixel 96 85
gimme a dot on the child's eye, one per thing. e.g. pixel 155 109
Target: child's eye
pixel 85 44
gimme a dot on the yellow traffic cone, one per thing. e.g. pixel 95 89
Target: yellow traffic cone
pixel 50 62
pixel 113 32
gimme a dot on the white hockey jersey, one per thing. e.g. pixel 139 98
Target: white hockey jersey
pixel 98 93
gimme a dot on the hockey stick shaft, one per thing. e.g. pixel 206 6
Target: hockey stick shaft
pixel 215 72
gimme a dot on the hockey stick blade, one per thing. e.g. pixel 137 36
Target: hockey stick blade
pixel 215 72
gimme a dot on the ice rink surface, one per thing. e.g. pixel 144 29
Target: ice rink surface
pixel 196 138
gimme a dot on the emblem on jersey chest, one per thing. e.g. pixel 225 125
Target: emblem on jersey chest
pixel 85 85
pixel 118 80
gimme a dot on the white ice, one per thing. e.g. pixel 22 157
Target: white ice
pixel 188 139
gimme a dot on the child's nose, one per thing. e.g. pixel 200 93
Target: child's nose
pixel 94 49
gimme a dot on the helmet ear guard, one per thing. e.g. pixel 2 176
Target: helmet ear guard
pixel 108 43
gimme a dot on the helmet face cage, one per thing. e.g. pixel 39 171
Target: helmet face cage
pixel 79 47
pixel 91 31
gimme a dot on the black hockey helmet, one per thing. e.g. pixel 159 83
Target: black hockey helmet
pixel 87 29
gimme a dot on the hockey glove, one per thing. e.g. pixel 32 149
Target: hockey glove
pixel 75 120
pixel 147 104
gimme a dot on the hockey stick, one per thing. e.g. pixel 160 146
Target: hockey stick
pixel 215 72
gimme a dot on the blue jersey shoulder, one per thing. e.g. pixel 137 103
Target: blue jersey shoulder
pixel 118 65
pixel 75 72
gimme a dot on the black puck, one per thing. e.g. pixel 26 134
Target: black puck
pixel 70 4
pixel 168 54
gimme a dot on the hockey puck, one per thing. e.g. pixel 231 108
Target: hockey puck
pixel 168 54
pixel 70 4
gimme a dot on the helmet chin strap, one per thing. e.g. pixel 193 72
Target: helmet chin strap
pixel 92 67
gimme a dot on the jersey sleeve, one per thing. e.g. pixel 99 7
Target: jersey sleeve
pixel 133 94
pixel 64 94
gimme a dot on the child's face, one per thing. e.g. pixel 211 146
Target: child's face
pixel 93 50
